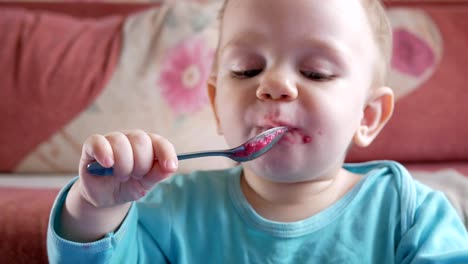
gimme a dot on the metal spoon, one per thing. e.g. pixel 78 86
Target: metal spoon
pixel 251 149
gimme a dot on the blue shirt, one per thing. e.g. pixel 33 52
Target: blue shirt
pixel 204 217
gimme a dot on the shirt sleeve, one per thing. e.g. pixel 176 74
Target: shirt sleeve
pixel 122 246
pixel 437 234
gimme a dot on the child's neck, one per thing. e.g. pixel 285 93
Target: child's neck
pixel 289 202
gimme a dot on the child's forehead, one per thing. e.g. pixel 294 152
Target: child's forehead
pixel 338 8
pixel 311 21
pixel 283 17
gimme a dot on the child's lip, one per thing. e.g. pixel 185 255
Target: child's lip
pixel 294 135
pixel 267 124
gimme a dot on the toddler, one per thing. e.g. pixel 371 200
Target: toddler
pixel 315 66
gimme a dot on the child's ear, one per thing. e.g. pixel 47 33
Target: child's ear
pixel 212 97
pixel 377 112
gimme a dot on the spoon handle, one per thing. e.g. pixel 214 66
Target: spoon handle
pixel 200 154
pixel 96 169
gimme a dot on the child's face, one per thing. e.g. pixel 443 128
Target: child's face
pixel 307 64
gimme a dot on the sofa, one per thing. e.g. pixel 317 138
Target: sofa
pixel 71 69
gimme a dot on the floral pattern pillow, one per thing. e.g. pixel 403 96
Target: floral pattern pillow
pixel 159 85
pixel 183 76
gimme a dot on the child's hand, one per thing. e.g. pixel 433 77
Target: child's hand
pixel 140 160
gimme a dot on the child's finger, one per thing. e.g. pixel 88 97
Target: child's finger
pixel 166 163
pixel 96 148
pixel 143 157
pixel 123 155
pixel 165 153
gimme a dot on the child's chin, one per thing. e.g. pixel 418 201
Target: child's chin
pixel 285 177
pixel 282 158
pixel 272 161
pixel 277 170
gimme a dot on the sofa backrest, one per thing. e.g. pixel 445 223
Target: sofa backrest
pixel 428 76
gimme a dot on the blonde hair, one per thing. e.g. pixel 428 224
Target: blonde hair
pixel 382 32
pixel 381 29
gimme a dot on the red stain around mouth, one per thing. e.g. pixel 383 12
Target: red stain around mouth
pixel 306 139
pixel 297 137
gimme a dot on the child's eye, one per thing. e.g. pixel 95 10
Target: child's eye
pixel 316 76
pixel 246 74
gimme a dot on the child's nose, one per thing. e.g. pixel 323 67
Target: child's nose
pixel 276 86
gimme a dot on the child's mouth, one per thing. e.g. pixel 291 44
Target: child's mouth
pixel 296 136
pixel 293 136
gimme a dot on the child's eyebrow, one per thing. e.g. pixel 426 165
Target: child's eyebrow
pixel 333 49
pixel 244 39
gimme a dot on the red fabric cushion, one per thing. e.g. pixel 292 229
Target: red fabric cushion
pixel 430 124
pixel 53 66
pixel 82 9
pixel 23 224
